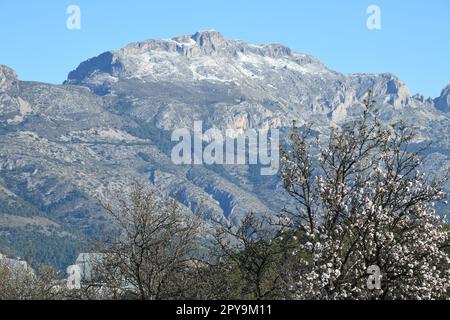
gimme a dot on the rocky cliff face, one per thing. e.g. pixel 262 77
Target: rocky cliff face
pixel 443 102
pixel 63 147
pixel 9 84
pixel 8 80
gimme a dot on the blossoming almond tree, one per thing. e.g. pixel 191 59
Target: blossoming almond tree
pixel 361 201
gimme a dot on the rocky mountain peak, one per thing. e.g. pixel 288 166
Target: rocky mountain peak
pixel 443 101
pixel 205 55
pixel 209 40
pixel 9 81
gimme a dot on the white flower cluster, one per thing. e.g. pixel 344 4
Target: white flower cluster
pixel 364 203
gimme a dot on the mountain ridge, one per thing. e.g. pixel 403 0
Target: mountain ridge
pixel 207 43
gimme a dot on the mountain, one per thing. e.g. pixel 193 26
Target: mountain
pixel 109 125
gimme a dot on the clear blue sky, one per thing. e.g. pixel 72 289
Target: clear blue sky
pixel 414 42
